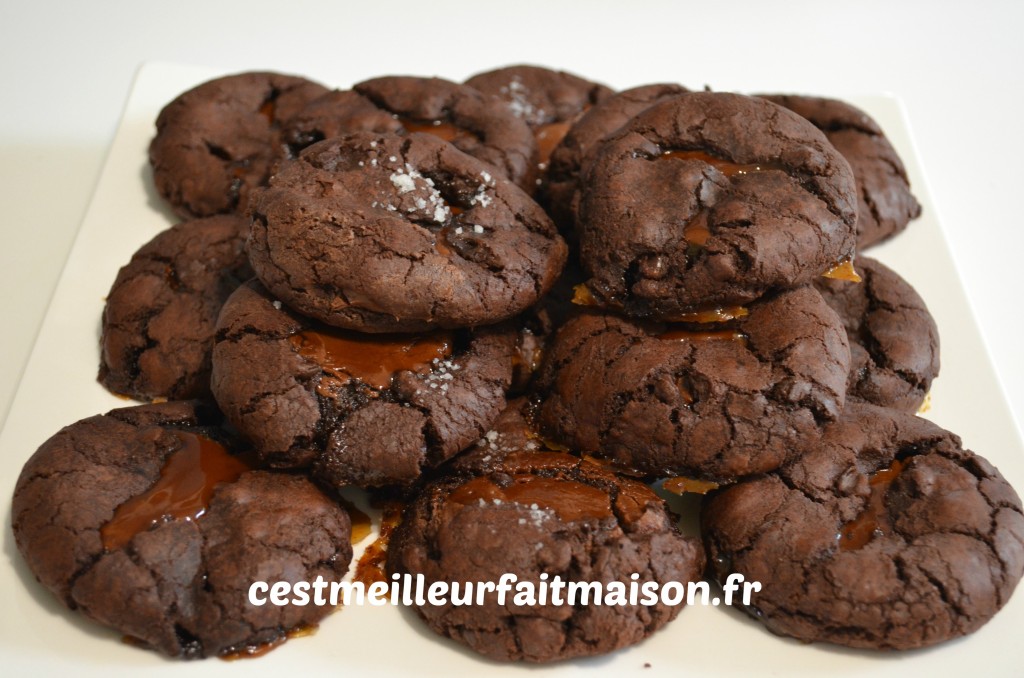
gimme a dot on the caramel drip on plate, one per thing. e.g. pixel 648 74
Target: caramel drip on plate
pixel 254 651
pixel 371 358
pixel 703 335
pixel 370 568
pixel 874 519
pixel 360 521
pixel 187 482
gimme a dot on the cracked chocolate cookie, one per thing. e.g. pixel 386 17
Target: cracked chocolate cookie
pixel 603 119
pixel 885 203
pixel 387 233
pixel 888 535
pixel 367 410
pixel 714 401
pixel 160 315
pixel 218 141
pixel 538 517
pixel 146 521
pixel 476 124
pixel 548 101
pixel 894 343
pixel 712 198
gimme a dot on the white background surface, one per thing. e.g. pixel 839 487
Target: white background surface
pixel 66 70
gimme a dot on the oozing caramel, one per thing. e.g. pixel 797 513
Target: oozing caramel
pixel 267 109
pixel 442 130
pixel 682 485
pixel 718 314
pixel 726 167
pixel 696 231
pixel 570 499
pixel 370 568
pixel 187 483
pixel 703 335
pixel 360 521
pixel 581 296
pixel 548 137
pixel 873 521
pixel 842 271
pixel 370 358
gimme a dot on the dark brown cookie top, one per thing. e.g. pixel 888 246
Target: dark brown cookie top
pixel 712 198
pixel 604 118
pixel 884 202
pixel 714 401
pixel 548 101
pixel 540 96
pixel 387 233
pixel 513 432
pixel 218 141
pixel 144 521
pixel 367 410
pixel 543 514
pixel 894 343
pixel 477 124
pixel 160 315
pixel 888 535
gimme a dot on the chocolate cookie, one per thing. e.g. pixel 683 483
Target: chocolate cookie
pixel 367 410
pixel 160 315
pixel 888 535
pixel 884 202
pixel 477 124
pixel 894 343
pixel 538 517
pixel 712 198
pixel 216 142
pixel 602 119
pixel 714 401
pixel 546 100
pixel 145 521
pixel 387 233
pixel 513 432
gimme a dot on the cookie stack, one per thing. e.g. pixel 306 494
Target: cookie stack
pixel 522 302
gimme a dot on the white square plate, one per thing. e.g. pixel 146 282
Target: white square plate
pixel 39 637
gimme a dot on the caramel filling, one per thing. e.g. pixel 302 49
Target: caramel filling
pixel 726 167
pixel 548 137
pixel 581 296
pixel 718 314
pixel 187 483
pixel 569 499
pixel 682 485
pixel 703 335
pixel 370 358
pixel 696 231
pixel 842 271
pixel 442 130
pixel 874 519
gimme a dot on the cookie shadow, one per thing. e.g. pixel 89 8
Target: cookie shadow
pixel 153 197
pixel 45 599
